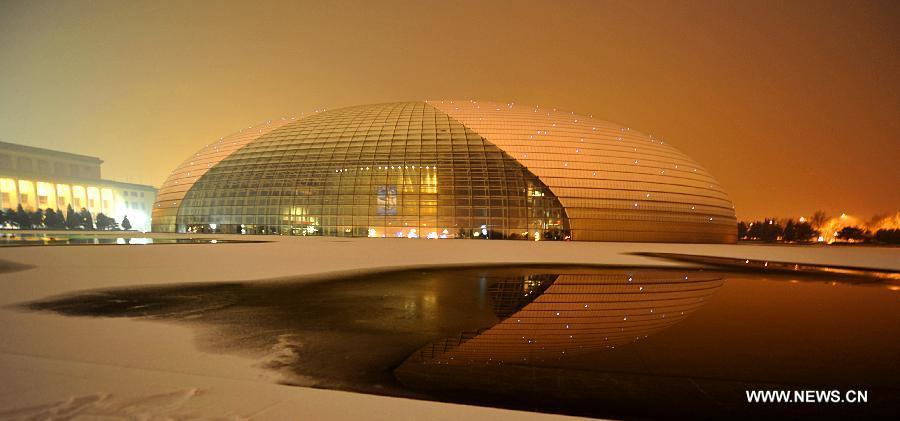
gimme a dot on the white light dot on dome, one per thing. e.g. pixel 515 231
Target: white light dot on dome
pixel 513 129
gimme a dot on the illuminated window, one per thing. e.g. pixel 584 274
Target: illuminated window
pixel 432 178
pixel 415 170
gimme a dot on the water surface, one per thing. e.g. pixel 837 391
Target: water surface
pixel 605 342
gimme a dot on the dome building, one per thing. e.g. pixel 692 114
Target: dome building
pixel 446 169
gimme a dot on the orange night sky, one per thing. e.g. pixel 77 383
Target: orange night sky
pixel 793 106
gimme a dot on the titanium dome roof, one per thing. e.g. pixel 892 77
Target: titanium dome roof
pixel 447 169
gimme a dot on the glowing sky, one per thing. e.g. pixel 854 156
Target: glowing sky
pixel 793 107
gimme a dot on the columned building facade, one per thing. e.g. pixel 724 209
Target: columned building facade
pixel 38 178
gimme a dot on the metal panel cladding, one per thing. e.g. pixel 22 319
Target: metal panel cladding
pixel 616 184
pixel 447 169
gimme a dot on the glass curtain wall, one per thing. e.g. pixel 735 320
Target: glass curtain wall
pixel 390 170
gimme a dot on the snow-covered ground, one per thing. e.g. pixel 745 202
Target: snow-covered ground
pixel 63 365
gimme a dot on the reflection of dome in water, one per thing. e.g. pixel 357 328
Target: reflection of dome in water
pixel 576 314
pixel 446 169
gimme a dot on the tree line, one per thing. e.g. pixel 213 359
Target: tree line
pixel 770 230
pixel 58 220
pixel 803 231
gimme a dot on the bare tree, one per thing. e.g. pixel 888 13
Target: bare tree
pixel 818 219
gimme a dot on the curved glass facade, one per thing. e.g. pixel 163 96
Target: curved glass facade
pixel 389 170
pixel 447 169
pixel 165 210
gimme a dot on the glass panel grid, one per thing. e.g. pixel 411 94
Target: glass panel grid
pixel 389 170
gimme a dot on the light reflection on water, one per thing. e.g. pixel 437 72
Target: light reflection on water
pixel 590 341
pixel 550 317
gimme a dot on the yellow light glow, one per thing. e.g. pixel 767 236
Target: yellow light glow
pixel 63 196
pixel 107 201
pixel 93 199
pixel 26 194
pixel 79 197
pixel 46 195
pixel 9 193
